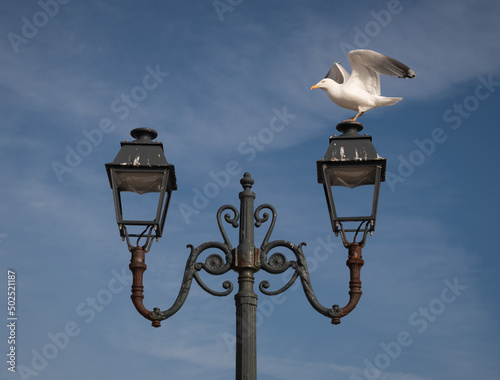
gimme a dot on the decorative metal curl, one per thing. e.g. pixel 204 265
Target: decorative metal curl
pixel 226 285
pixel 214 264
pixel 227 217
pixel 277 263
pixel 265 217
pixel 265 284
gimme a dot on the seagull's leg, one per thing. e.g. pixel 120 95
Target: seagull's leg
pixel 352 118
pixel 358 115
pixel 355 117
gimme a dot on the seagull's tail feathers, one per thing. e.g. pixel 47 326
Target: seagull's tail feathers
pixel 386 101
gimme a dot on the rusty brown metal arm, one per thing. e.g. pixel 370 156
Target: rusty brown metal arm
pixel 138 266
pixel 214 264
pixel 278 264
pixel 354 262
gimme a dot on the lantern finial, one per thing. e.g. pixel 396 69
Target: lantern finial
pixel 144 134
pixel 350 127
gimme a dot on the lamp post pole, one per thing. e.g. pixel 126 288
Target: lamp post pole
pixel 246 331
pixel 246 263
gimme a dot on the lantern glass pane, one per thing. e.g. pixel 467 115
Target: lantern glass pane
pixel 356 202
pixel 140 207
pixel 140 183
pixel 351 176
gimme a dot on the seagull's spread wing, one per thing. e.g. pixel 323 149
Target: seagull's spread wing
pixel 338 73
pixel 367 65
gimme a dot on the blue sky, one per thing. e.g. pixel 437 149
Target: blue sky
pixel 211 77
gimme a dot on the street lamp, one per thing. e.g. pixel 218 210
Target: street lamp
pixel 351 161
pixel 141 167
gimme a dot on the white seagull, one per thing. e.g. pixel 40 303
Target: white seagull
pixel 360 91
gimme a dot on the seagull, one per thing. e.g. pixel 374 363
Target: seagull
pixel 360 91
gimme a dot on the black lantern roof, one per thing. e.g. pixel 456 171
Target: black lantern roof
pixel 143 153
pixel 350 148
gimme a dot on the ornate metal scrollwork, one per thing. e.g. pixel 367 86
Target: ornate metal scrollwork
pixel 227 217
pixel 214 264
pixel 265 217
pixel 278 263
pixel 242 259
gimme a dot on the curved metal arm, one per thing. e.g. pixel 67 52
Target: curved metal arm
pixel 214 264
pixel 138 266
pixel 354 262
pixel 278 263
pixel 301 270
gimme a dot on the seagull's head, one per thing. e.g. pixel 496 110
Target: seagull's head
pixel 324 84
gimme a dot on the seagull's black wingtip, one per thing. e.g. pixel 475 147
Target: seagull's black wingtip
pixel 409 74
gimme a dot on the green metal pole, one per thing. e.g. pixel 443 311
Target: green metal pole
pixel 246 263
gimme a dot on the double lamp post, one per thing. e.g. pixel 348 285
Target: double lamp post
pixel 141 168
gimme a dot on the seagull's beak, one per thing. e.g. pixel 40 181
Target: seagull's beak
pixel 314 87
